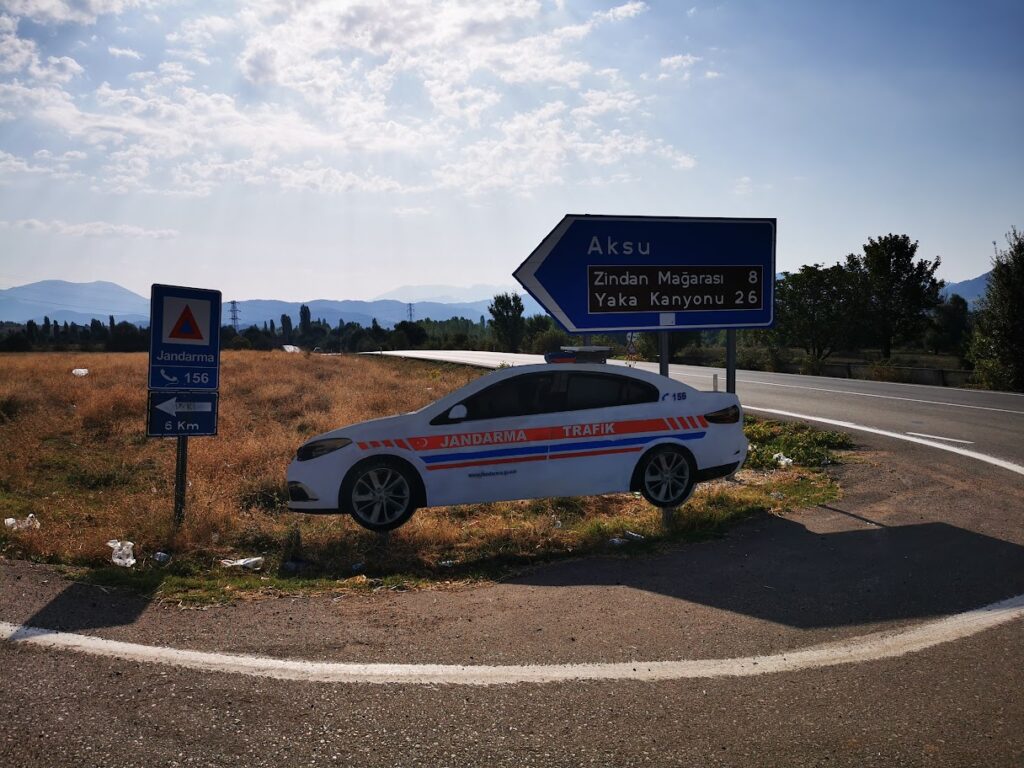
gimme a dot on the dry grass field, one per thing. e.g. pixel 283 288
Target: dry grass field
pixel 73 452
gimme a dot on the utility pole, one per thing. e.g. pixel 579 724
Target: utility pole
pixel 234 312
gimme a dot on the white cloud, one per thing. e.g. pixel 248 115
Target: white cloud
pixel 15 53
pixel 103 229
pixel 62 11
pixel 743 186
pixel 468 95
pixel 679 61
pixel 410 211
pixel 712 75
pixel 124 53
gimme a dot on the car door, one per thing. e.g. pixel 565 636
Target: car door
pixel 493 445
pixel 607 421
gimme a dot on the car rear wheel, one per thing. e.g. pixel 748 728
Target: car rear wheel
pixel 666 476
pixel 380 494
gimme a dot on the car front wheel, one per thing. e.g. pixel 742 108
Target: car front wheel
pixel 379 494
pixel 666 477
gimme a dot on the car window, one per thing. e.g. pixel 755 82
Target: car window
pixel 519 396
pixel 602 390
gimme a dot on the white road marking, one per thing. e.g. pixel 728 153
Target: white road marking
pixel 871 647
pixel 940 437
pixel 895 435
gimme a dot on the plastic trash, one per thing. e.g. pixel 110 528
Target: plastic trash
pixel 782 460
pixel 249 563
pixel 615 541
pixel 634 536
pixel 290 348
pixel 80 371
pixel 122 554
pixel 447 563
pixel 29 522
pixel 161 557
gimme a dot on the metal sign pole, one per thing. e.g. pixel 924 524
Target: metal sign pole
pixel 663 353
pixel 730 360
pixel 179 481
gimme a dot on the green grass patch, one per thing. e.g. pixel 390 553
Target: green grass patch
pixel 806 446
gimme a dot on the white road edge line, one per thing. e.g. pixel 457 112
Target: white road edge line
pixel 940 437
pixel 872 647
pixel 895 435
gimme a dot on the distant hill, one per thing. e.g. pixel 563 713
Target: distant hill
pixel 72 302
pixel 81 302
pixel 972 289
pixel 474 295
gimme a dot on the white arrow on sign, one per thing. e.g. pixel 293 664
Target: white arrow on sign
pixel 173 407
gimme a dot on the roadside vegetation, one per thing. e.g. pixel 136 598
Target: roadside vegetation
pixel 75 455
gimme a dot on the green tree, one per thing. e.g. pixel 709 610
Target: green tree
pixel 997 348
pixel 414 333
pixel 286 329
pixel 813 309
pixel 894 292
pixel 304 321
pixel 949 328
pixel 507 321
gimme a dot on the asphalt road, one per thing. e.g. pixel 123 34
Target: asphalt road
pixel 987 422
pixel 919 535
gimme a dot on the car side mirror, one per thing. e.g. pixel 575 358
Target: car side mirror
pixel 457 412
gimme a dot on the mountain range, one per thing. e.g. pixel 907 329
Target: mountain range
pixel 62 301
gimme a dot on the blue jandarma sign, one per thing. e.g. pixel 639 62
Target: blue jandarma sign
pixel 184 347
pixel 184 361
pixel 633 273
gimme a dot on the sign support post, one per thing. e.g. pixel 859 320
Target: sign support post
pixel 180 467
pixel 663 353
pixel 730 361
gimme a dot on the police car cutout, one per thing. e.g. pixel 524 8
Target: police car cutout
pixel 527 432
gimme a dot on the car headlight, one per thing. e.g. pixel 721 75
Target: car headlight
pixel 321 447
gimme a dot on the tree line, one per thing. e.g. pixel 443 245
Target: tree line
pixel 882 299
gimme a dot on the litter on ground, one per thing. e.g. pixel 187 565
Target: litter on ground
pixel 782 460
pixel 29 522
pixel 249 563
pixel 122 554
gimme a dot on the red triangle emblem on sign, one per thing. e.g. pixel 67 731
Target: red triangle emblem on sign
pixel 186 327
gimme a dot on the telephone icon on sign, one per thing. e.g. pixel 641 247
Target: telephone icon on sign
pixel 171 379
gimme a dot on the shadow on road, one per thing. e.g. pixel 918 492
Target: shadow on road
pixel 778 570
pixel 85 606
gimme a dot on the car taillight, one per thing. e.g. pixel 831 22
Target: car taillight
pixel 728 415
pixel 320 447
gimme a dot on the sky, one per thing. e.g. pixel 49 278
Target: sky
pixel 297 149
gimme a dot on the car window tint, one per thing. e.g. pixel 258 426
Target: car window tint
pixel 599 390
pixel 519 396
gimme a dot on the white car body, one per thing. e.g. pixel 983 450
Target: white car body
pixel 573 451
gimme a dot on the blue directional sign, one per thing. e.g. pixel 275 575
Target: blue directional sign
pixel 182 414
pixel 642 273
pixel 184 346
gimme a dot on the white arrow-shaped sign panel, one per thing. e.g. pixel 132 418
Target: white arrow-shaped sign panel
pixel 173 407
